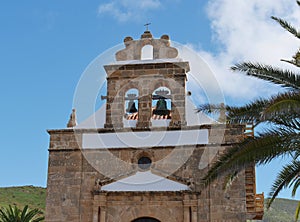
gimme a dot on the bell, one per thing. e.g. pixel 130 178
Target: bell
pixel 161 108
pixel 131 107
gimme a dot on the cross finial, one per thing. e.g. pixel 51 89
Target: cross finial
pixel 147 26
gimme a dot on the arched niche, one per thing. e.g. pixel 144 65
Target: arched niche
pixel 145 219
pixel 161 106
pixel 131 107
pixel 147 52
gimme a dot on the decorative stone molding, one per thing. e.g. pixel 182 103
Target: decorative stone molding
pixel 133 50
pixel 72 121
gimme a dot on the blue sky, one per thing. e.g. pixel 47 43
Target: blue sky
pixel 46 45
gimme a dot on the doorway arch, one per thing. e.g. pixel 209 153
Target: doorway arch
pixel 145 219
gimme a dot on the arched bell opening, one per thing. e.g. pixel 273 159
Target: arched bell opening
pixel 161 106
pixel 147 52
pixel 131 107
pixel 145 219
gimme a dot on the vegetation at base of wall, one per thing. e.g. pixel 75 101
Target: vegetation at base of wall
pixel 34 197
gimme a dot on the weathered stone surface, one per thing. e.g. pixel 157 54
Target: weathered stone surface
pixel 76 175
pixel 72 174
pixel 133 50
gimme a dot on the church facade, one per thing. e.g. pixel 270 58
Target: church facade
pixel 142 156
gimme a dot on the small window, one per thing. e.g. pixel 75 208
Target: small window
pixel 144 163
pixel 146 219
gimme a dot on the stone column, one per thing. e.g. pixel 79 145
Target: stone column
pixel 190 213
pixel 102 214
pixel 114 103
pixel 186 208
pixel 186 214
pixel 145 113
pixel 99 210
pixel 178 100
pixel 194 214
pixel 96 213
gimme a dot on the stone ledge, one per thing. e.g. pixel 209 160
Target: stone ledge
pixel 137 129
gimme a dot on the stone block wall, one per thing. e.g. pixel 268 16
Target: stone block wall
pixel 64 178
pixel 72 173
pixel 145 78
pixel 127 206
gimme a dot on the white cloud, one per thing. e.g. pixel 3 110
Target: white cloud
pixel 124 10
pixel 244 31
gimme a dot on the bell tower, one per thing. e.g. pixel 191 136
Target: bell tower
pixel 100 170
pixel 158 82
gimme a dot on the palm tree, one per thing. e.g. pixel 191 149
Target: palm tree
pixel 14 214
pixel 281 117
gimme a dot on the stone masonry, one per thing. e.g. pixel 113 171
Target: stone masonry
pixel 75 172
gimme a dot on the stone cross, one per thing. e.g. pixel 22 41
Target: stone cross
pixel 147 26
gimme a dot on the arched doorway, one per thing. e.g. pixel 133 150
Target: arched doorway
pixel 145 219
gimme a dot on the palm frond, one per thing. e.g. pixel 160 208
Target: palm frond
pixel 287 26
pixel 24 211
pixel 9 214
pixel 260 150
pixel 283 103
pixel 211 108
pixel 31 215
pixel 283 109
pixel 285 178
pixel 289 121
pixel 293 62
pixel 4 215
pixel 229 180
pixel 285 78
pixel 296 59
pixel 249 113
pixel 296 184
pixel 298 206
